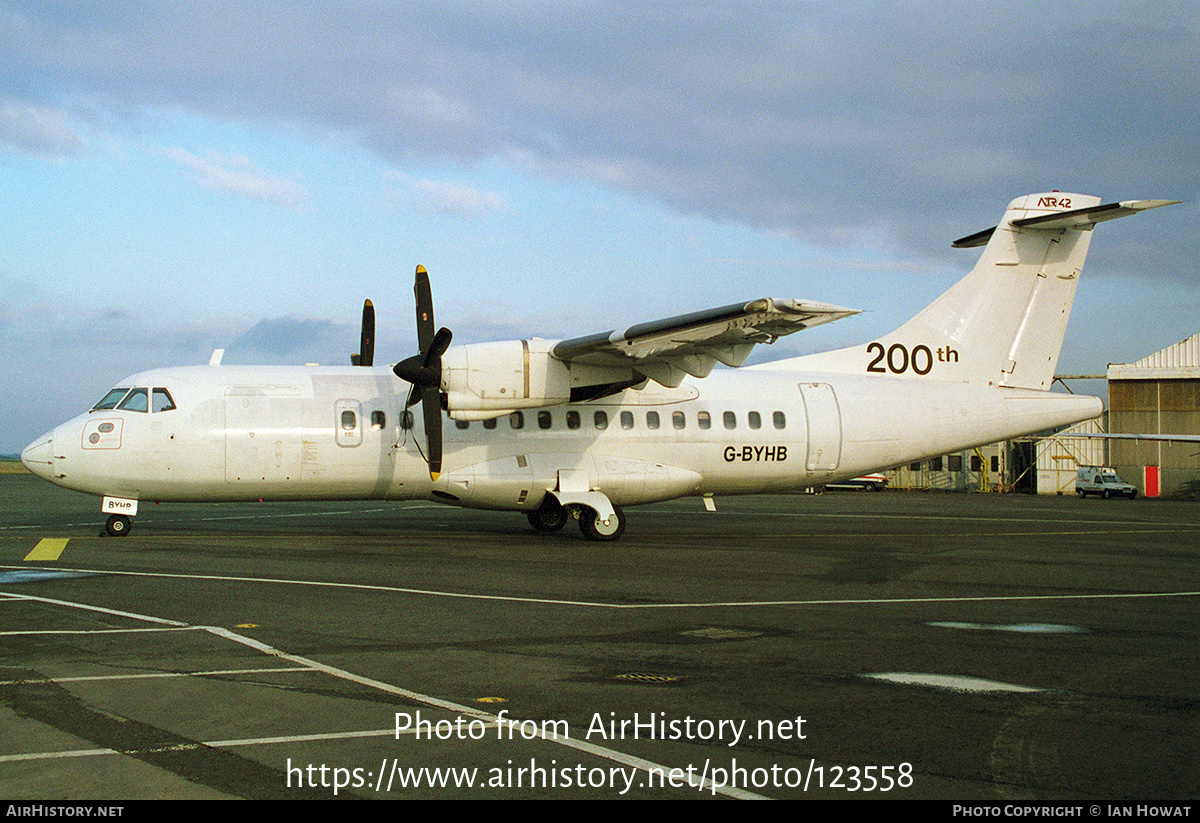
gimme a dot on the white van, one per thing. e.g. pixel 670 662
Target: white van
pixel 1103 481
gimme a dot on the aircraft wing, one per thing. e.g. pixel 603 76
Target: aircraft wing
pixel 1166 438
pixel 666 350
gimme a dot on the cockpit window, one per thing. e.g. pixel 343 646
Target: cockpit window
pixel 110 400
pixel 162 401
pixel 136 401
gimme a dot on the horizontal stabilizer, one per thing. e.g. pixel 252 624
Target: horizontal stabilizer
pixel 1083 219
pixel 1086 218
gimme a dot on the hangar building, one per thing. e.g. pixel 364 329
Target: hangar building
pixel 1159 394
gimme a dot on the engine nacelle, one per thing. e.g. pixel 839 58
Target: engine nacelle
pixel 490 379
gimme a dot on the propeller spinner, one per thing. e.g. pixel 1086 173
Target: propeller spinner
pixel 424 371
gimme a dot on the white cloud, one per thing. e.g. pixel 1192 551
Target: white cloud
pixel 238 175
pixel 38 130
pixel 458 199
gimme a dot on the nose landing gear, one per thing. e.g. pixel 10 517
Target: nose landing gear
pixel 118 525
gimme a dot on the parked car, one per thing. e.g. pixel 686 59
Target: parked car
pixel 1103 481
pixel 874 482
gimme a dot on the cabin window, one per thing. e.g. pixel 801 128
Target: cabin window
pixel 627 420
pixel 779 420
pixel 600 420
pixel 378 420
pixel 136 401
pixel 704 419
pixel 516 420
pixel 678 419
pixel 490 423
pixel 754 420
pixel 572 419
pixel 349 420
pixel 161 400
pixel 111 399
pixel 544 419
pixel 730 420
pixel 652 420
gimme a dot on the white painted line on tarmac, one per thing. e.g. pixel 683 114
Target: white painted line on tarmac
pixel 950 682
pixel 152 675
pixel 636 606
pixel 603 752
pixel 86 607
pixel 217 744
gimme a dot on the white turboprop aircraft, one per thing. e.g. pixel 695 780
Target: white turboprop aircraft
pixel 581 427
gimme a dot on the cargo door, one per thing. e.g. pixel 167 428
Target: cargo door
pixel 824 426
pixel 262 435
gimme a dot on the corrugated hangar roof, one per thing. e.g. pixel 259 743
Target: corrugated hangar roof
pixel 1178 362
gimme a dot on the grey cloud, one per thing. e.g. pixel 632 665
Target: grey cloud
pixel 292 339
pixel 831 121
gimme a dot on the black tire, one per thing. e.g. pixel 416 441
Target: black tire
pixel 118 525
pixel 549 517
pixel 594 529
pixel 1107 494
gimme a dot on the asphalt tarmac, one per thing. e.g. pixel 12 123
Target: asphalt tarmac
pixel 847 645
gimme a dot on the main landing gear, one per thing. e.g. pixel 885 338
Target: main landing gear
pixel 551 516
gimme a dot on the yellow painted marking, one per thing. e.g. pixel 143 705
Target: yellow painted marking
pixel 48 548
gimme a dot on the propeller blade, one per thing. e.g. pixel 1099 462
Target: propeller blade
pixel 431 405
pixel 424 297
pixel 424 371
pixel 366 343
pixel 433 355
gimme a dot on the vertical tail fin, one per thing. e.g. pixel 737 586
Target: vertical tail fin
pixel 1003 324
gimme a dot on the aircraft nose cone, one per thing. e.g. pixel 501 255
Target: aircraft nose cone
pixel 38 456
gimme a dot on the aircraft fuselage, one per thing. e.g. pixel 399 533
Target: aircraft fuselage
pixel 295 433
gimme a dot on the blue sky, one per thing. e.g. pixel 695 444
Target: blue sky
pixel 241 175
